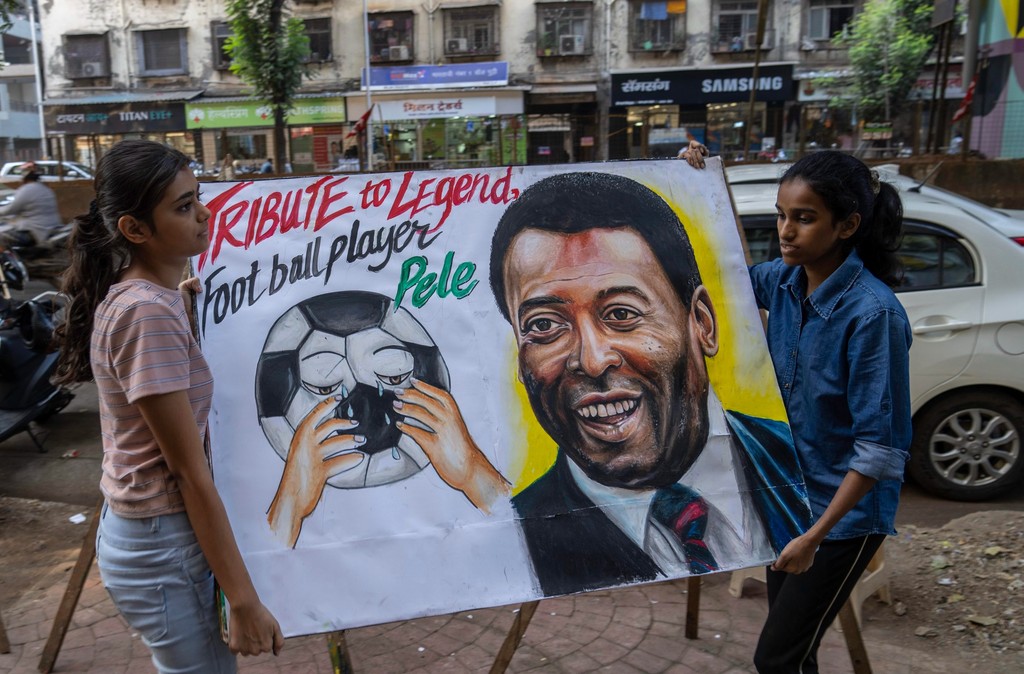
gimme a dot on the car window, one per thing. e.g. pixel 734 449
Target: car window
pixel 762 237
pixel 933 257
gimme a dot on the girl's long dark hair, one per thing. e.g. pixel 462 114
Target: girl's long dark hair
pixel 130 180
pixel 848 186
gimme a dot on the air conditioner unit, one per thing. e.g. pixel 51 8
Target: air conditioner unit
pixel 457 45
pixel 750 40
pixel 399 53
pixel 94 69
pixel 572 44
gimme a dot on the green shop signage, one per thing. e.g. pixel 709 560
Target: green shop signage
pixel 236 114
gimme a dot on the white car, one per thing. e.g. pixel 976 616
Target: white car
pixel 47 169
pixel 964 274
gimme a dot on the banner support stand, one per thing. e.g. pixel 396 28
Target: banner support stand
pixel 514 636
pixel 71 594
pixel 338 649
pixel 693 584
pixel 5 645
pixel 854 641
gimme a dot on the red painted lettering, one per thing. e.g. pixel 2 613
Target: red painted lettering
pixel 323 218
pixel 220 228
pixel 270 216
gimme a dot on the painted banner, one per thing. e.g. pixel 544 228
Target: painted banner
pixel 438 391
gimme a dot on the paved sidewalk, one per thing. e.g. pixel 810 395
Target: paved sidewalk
pixel 623 631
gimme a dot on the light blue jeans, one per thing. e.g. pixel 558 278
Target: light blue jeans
pixel 160 582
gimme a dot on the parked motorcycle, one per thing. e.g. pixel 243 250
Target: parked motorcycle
pixel 27 357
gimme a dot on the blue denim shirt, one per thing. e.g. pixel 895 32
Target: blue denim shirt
pixel 842 360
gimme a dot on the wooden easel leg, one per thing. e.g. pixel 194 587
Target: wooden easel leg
pixel 71 594
pixel 5 645
pixel 692 606
pixel 514 636
pixel 338 648
pixel 854 642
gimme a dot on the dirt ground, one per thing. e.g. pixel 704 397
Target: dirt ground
pixel 35 537
pixel 960 586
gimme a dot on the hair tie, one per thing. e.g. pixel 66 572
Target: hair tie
pixel 876 186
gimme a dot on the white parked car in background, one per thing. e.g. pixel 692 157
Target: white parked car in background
pixel 964 294
pixel 48 170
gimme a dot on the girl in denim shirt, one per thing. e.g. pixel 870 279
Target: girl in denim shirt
pixel 839 340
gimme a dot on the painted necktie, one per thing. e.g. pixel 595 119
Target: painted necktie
pixel 685 513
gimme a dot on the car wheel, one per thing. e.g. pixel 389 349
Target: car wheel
pixel 969 447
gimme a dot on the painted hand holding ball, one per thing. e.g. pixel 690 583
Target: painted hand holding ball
pixel 321 448
pixel 446 440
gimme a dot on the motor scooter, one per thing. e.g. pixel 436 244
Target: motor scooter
pixel 45 260
pixel 27 357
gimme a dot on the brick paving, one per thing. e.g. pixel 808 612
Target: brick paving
pixel 630 631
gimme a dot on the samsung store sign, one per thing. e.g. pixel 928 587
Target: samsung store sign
pixel 713 85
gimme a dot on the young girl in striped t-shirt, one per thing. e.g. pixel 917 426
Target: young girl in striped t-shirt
pixel 163 526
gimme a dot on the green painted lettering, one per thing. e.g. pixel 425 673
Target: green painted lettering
pixel 409 280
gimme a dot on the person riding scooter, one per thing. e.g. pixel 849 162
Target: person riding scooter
pixel 33 214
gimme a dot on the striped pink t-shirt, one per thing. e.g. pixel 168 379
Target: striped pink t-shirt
pixel 142 346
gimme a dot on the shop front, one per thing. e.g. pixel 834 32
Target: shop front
pixel 815 121
pixel 448 116
pixel 83 129
pixel 244 129
pixel 563 122
pixel 655 113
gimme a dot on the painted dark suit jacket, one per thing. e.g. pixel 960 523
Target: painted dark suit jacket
pixel 575 547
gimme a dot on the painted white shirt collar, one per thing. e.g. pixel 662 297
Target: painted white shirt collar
pixel 734 530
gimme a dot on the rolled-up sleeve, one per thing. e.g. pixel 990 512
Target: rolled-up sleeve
pixel 879 395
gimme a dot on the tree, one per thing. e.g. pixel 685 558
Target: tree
pixel 269 52
pixel 7 8
pixel 888 42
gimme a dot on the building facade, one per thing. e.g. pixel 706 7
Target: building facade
pixel 20 129
pixel 454 82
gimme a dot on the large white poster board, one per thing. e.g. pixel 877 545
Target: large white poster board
pixel 444 390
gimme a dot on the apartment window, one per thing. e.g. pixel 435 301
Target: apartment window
pixel 564 29
pixel 162 52
pixel 828 18
pixel 734 22
pixel 16 50
pixel 390 36
pixel 319 33
pixel 471 30
pixel 221 31
pixel 86 56
pixel 657 26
